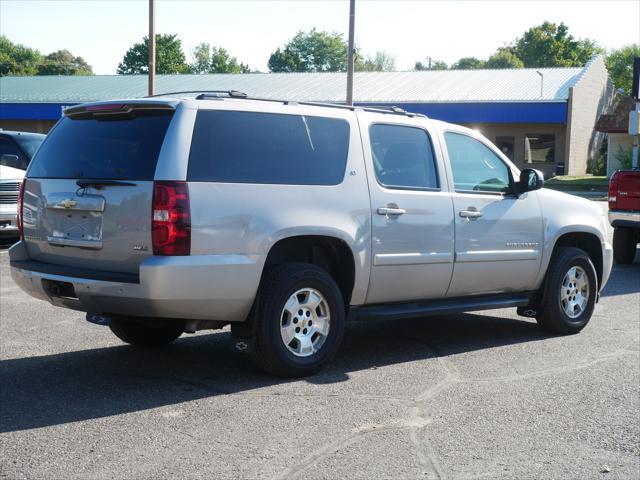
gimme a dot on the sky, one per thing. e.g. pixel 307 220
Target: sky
pixel 102 31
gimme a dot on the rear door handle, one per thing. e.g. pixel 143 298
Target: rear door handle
pixel 470 214
pixel 391 211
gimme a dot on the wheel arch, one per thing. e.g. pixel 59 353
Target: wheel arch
pixel 331 253
pixel 588 241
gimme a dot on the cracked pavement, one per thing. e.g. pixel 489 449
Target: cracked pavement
pixel 479 395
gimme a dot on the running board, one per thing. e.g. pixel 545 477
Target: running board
pixel 438 307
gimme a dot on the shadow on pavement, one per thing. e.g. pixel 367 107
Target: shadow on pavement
pixel 74 386
pixel 625 279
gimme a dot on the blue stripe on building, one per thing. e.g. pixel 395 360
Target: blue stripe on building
pixel 549 112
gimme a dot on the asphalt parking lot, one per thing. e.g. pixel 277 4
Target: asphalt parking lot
pixel 485 395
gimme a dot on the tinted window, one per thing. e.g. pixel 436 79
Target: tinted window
pixel 249 147
pixel 402 156
pixel 29 143
pixel 7 147
pixel 475 167
pixel 115 149
pixel 540 147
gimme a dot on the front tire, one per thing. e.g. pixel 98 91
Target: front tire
pixel 300 319
pixel 624 245
pixel 141 335
pixel 570 292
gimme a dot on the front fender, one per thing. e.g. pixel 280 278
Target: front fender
pixel 566 214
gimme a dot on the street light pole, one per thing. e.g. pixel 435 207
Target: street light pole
pixel 152 49
pixel 350 56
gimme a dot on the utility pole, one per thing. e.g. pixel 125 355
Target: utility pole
pixel 350 59
pixel 541 82
pixel 152 49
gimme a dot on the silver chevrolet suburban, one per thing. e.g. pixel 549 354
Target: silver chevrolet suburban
pixel 179 213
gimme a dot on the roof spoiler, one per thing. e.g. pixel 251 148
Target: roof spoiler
pixel 112 109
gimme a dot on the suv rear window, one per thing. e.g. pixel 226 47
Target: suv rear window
pixel 123 148
pixel 251 147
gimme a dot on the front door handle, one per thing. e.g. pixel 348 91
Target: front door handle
pixel 471 214
pixel 391 211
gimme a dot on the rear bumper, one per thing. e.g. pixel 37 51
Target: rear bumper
pixel 621 218
pixel 199 287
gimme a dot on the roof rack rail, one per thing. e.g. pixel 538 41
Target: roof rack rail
pixel 219 94
pixel 202 93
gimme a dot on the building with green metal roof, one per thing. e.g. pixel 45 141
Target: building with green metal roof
pixel 544 116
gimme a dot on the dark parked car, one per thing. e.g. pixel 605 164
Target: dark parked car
pixel 16 151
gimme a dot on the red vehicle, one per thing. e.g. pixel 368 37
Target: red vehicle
pixel 624 214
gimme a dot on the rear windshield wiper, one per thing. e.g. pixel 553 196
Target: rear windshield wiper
pixel 86 183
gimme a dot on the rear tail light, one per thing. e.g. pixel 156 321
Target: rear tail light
pixel 20 202
pixel 613 191
pixel 171 221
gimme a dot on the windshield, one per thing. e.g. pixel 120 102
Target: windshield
pixel 118 149
pixel 29 143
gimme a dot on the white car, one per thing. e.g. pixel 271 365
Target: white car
pixel 10 180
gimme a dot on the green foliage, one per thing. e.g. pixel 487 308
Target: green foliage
pixel 620 65
pixel 504 58
pixel 63 62
pixel 551 45
pixel 169 57
pixel 16 59
pixel 380 62
pixel 311 51
pixel 545 45
pixel 598 165
pixel 468 63
pixel 430 65
pixel 623 157
pixel 207 59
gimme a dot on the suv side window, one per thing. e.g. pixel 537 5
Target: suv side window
pixel 475 167
pixel 253 147
pixel 8 147
pixel 403 157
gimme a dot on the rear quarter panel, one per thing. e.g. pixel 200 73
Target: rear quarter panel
pixel 248 219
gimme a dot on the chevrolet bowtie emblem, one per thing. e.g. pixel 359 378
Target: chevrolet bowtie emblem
pixel 68 203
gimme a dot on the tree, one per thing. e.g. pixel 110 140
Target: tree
pixel 16 59
pixel 430 65
pixel 215 60
pixel 551 45
pixel 169 56
pixel 63 62
pixel 311 51
pixel 380 62
pixel 620 66
pixel 504 58
pixel 468 63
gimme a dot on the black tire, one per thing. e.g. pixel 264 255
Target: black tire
pixel 624 245
pixel 140 335
pixel 270 352
pixel 553 317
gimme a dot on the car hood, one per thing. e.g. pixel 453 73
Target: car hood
pixel 9 173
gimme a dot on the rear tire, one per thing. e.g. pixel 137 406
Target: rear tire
pixel 300 319
pixel 624 245
pixel 570 292
pixel 141 335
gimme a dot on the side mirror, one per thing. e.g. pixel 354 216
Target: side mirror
pixel 9 160
pixel 530 179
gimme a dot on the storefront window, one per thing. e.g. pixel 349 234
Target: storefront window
pixel 540 148
pixel 506 145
